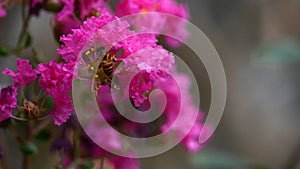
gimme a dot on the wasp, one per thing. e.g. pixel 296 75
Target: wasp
pixel 104 74
pixel 105 71
pixel 31 108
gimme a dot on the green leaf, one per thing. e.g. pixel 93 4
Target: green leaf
pixel 4 51
pixel 28 148
pixel 43 135
pixel 49 101
pixel 89 165
pixel 281 51
pixel 28 40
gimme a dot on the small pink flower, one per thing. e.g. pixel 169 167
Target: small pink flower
pixel 35 7
pixel 101 133
pixel 182 97
pixel 64 25
pixel 74 43
pixel 92 8
pixel 116 34
pixel 67 11
pixel 157 23
pixel 56 80
pixel 134 43
pixel 146 66
pixel 124 163
pixel 191 141
pixel 63 108
pixel 2 10
pixel 24 75
pixel 8 102
pixel 35 2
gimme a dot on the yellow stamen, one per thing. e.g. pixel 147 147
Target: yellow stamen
pixel 87 52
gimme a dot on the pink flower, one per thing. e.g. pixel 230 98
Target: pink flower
pixel 74 43
pixel 24 75
pixel 177 97
pixel 142 84
pixel 67 11
pixel 148 65
pixel 2 10
pixel 8 101
pixel 191 141
pixel 66 19
pixel 101 134
pixel 148 59
pixel 35 7
pixel 124 163
pixel 56 80
pixel 134 43
pixel 90 8
pixel 63 108
pixel 64 25
pixel 35 2
pixel 116 34
pixel 157 22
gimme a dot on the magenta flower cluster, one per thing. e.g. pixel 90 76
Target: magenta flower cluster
pixel 54 78
pixel 85 22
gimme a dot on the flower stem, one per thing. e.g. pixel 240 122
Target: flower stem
pixel 26 160
pixel 26 21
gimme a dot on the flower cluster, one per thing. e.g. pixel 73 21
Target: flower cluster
pixel 54 78
pixel 82 26
pixel 24 75
pixel 75 12
pixel 143 56
pixel 156 22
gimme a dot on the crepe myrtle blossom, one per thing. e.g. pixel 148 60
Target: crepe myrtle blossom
pixel 181 97
pixel 67 19
pixel 24 75
pixel 145 66
pixel 56 80
pixel 175 26
pixel 123 163
pixel 2 10
pixel 74 44
pixel 8 102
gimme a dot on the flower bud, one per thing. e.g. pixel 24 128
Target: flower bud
pixel 53 5
pixel 28 148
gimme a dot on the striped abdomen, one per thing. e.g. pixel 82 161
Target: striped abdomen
pixel 107 65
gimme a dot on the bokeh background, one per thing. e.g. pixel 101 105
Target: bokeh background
pixel 258 42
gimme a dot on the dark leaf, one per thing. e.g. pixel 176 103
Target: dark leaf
pixel 89 165
pixel 43 135
pixel 29 148
pixel 4 51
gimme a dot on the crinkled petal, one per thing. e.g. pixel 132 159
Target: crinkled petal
pixel 24 75
pixel 8 102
